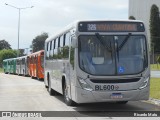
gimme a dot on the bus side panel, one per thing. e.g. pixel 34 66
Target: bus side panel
pixel 5 66
pixel 40 68
pixel 14 67
pixel 53 72
pixel 26 67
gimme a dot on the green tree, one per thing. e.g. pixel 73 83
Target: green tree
pixel 6 54
pixel 38 42
pixel 132 18
pixel 4 45
pixel 155 28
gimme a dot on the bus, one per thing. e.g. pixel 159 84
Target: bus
pixel 21 66
pixel 98 61
pixel 35 63
pixel 9 66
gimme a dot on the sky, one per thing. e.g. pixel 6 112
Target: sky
pixel 52 15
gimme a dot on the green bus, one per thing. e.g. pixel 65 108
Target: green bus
pixel 9 66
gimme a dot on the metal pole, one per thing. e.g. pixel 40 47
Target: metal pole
pixel 18 31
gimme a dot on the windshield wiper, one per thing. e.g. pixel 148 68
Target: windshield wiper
pixel 105 45
pixel 124 42
pixel 102 43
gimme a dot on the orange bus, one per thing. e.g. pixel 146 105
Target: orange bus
pixel 36 64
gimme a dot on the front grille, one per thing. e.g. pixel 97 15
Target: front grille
pixel 116 80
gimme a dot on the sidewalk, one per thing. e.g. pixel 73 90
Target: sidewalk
pixel 155 74
pixel 154 101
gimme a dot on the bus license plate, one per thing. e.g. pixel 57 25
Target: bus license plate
pixel 116 96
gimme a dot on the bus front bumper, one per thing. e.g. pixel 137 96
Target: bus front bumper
pixel 84 96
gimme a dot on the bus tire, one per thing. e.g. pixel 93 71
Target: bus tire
pixel 122 102
pixel 50 90
pixel 67 100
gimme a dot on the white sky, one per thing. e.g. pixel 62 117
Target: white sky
pixel 52 15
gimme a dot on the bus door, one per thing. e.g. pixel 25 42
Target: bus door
pixel 31 66
pixel 21 66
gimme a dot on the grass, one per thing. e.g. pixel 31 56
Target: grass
pixel 155 66
pixel 155 88
pixel 1 70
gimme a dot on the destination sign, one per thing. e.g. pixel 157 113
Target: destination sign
pixel 111 27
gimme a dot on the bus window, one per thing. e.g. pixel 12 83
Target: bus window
pixel 47 46
pixel 66 46
pixel 48 49
pixel 51 45
pixel 23 61
pixel 17 62
pixel 72 57
pixel 51 50
pixel 67 39
pixel 60 49
pixel 64 37
pixel 55 49
pixel 54 44
pixel 61 41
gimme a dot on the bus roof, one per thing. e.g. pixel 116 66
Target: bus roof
pixel 21 57
pixel 9 59
pixel 35 53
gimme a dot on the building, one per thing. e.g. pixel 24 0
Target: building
pixel 140 9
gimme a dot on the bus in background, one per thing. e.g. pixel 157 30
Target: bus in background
pixel 98 61
pixel 21 66
pixel 13 66
pixel 9 66
pixel 35 63
pixel 5 66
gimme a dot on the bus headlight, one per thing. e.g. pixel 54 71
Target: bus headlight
pixel 145 83
pixel 84 85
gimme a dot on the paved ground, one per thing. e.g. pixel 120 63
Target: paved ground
pixel 19 93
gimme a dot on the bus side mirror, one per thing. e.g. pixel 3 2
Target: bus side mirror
pixel 74 42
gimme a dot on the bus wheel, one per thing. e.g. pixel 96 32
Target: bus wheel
pixel 122 102
pixel 50 90
pixel 67 100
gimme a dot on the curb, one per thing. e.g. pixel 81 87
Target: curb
pixel 155 101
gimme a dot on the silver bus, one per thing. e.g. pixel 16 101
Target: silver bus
pixel 21 66
pixel 98 61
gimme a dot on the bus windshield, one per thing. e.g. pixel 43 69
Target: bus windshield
pixel 112 54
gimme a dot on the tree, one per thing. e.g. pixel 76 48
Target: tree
pixel 155 28
pixel 21 52
pixel 6 54
pixel 38 42
pixel 4 45
pixel 132 18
